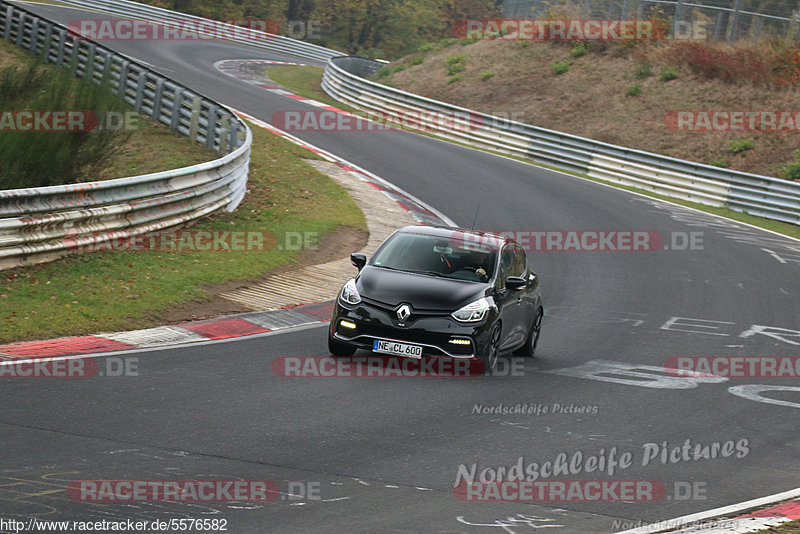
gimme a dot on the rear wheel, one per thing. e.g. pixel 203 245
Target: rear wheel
pixel 337 348
pixel 529 348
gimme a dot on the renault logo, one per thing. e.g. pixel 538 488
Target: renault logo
pixel 403 312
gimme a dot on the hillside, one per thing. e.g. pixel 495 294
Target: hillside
pixel 622 94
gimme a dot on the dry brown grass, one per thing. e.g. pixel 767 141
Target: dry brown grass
pixel 590 99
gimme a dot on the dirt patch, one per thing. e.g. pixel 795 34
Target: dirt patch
pixel 591 99
pixel 335 245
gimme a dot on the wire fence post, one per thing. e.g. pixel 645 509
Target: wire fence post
pixel 735 22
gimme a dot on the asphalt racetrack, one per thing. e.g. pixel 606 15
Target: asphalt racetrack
pixel 354 454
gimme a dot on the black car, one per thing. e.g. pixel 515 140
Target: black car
pixel 440 292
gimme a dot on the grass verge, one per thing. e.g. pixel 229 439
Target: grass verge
pixel 108 291
pixel 304 81
pixel 308 84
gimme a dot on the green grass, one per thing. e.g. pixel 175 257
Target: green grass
pixel 560 67
pixel 776 226
pixel 304 81
pixel 108 291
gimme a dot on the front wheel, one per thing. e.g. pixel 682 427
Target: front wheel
pixel 529 348
pixel 493 350
pixel 337 348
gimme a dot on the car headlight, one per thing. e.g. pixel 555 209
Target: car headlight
pixel 349 294
pixel 472 312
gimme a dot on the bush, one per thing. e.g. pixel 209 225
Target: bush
pixel 486 75
pixel 429 47
pixel 791 171
pixel 579 49
pixel 454 78
pixel 561 67
pixel 455 64
pixel 740 145
pixel 642 71
pixel 759 66
pixel 70 156
pixel 668 73
pixel 634 90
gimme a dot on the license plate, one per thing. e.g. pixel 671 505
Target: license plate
pixel 394 347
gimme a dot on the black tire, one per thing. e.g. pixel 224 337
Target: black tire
pixel 529 348
pixel 489 360
pixel 337 348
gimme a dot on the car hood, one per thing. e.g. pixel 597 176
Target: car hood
pixel 423 292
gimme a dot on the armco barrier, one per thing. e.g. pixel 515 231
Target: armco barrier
pixel 773 198
pixel 206 27
pixel 44 223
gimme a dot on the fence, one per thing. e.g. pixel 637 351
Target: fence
pixel 759 195
pixel 728 20
pixel 44 223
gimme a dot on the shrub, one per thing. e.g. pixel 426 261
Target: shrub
pixel 740 145
pixel 642 71
pixel 70 156
pixel 455 64
pixel 791 171
pixel 579 49
pixel 759 66
pixel 454 78
pixel 429 47
pixel 634 90
pixel 561 67
pixel 668 73
pixel 487 74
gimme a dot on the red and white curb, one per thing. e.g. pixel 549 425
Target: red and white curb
pixel 232 326
pixel 729 519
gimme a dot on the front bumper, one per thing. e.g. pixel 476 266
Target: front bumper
pixel 438 334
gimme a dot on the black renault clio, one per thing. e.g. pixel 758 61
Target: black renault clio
pixel 440 292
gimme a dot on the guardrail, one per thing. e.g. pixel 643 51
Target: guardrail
pixel 206 27
pixel 43 223
pixel 773 198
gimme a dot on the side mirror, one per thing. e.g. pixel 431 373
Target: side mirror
pixel 358 260
pixel 515 283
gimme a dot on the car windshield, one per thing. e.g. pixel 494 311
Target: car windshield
pixel 457 257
